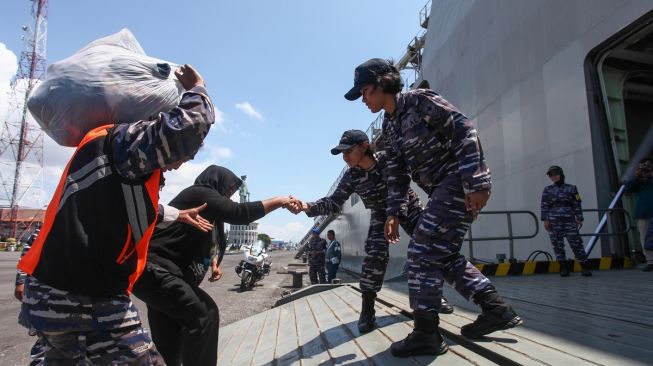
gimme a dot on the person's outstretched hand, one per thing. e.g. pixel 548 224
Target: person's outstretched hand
pixel 295 205
pixel 391 230
pixel 192 217
pixel 189 77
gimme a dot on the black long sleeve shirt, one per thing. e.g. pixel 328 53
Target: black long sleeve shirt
pixel 186 251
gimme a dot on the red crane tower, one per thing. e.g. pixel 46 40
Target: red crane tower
pixel 21 140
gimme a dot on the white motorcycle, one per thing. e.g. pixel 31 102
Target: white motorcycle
pixel 255 265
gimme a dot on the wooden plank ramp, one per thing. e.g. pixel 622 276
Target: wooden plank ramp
pixel 600 320
pixel 321 329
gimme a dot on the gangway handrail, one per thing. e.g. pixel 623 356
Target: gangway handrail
pixel 511 238
pixel 609 211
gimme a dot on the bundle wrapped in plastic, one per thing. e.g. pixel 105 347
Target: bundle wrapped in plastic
pixel 110 80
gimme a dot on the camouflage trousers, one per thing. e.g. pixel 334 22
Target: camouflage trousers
pixel 377 253
pixel 125 346
pixel 317 269
pixel 434 252
pixel 566 227
pixel 80 330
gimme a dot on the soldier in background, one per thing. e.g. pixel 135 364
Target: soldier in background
pixel 429 141
pixel 562 215
pixel 333 256
pixel 316 249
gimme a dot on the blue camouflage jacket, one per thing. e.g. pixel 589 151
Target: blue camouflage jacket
pixel 561 201
pixel 370 185
pixel 429 140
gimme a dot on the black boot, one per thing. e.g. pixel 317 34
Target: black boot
pixel 585 269
pixel 496 315
pixel 425 339
pixel 564 269
pixel 367 321
pixel 445 307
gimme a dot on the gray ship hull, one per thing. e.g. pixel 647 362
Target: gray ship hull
pixel 523 71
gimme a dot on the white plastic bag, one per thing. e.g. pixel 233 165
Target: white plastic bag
pixel 110 80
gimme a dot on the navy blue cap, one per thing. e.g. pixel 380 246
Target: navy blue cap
pixel 315 230
pixel 554 170
pixel 350 138
pixel 366 73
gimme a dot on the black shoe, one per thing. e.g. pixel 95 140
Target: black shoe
pixel 496 315
pixel 487 323
pixel 585 271
pixel 648 268
pixel 564 269
pixel 445 307
pixel 419 343
pixel 424 340
pixel 366 323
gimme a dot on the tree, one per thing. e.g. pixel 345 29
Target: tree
pixel 265 238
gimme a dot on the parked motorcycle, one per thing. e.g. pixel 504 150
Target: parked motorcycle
pixel 254 267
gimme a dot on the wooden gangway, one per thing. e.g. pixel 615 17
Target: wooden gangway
pixel 602 320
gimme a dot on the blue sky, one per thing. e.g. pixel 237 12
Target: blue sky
pixel 276 70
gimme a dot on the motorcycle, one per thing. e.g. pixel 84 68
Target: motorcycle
pixel 254 267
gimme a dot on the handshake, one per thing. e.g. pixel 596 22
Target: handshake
pixel 294 205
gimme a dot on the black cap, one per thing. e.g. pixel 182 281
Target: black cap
pixel 366 73
pixel 554 170
pixel 350 138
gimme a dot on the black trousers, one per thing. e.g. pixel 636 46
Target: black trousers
pixel 184 320
pixel 317 273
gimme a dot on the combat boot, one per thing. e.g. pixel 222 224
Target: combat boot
pixel 445 307
pixel 585 270
pixel 496 315
pixel 425 339
pixel 367 321
pixel 564 269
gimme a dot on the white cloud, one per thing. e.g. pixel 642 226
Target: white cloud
pixel 249 110
pixel 293 230
pixel 183 177
pixel 8 67
pixel 219 119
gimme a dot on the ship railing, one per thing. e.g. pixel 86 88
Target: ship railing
pixel 511 237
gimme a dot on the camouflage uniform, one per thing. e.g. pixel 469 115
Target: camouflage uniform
pixel 316 249
pixel 561 206
pixel 94 330
pixel 429 140
pixel 371 186
pixel 37 353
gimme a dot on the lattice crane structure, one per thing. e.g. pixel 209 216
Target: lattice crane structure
pixel 21 139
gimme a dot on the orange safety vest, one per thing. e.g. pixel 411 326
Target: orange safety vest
pixel 97 227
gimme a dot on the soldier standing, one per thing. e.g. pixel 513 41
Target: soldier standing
pixel 562 215
pixel 366 177
pixel 429 140
pixel 316 249
pixel 333 256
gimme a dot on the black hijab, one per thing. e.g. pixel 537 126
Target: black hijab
pixel 221 180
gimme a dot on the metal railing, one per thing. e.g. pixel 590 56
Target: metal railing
pixel 511 237
pixel 608 213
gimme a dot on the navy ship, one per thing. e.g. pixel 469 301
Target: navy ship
pixel 566 83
